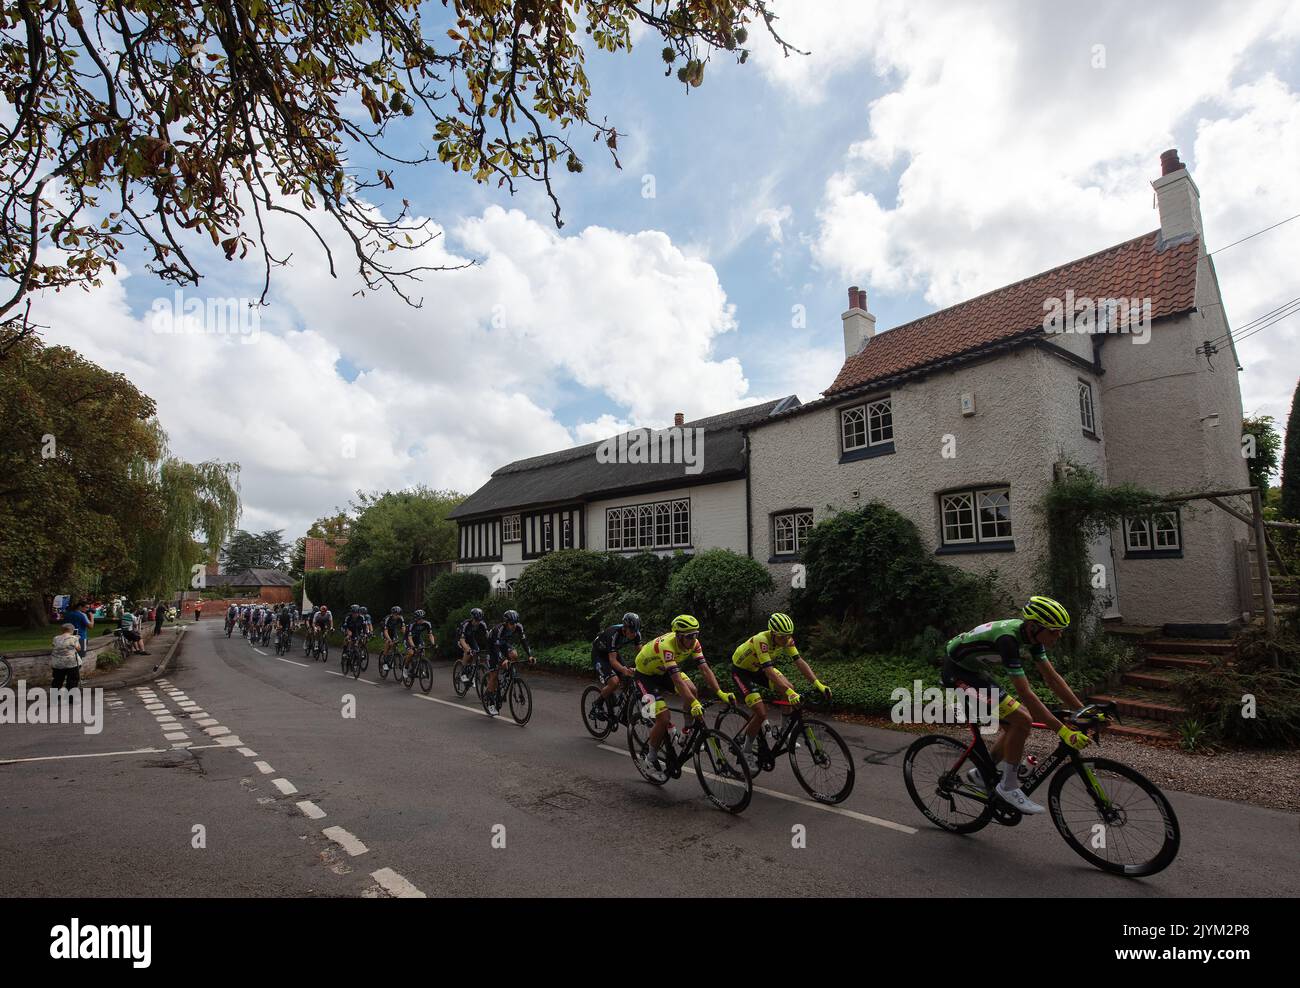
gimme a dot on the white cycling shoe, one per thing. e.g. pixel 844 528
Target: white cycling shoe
pixel 1017 798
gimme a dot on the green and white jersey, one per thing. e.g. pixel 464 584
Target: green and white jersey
pixel 997 642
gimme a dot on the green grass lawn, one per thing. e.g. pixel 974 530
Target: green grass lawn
pixel 24 639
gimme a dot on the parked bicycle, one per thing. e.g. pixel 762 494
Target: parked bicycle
pixel 603 717
pixel 122 644
pixel 717 760
pixel 510 687
pixel 1109 814
pixel 818 755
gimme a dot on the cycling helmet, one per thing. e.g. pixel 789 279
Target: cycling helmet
pixel 363 609
pixel 476 613
pixel 1046 612
pixel 355 608
pixel 419 614
pixel 511 617
pixel 632 621
pixel 684 622
pixel 781 624
pixel 395 610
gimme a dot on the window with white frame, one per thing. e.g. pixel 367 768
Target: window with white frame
pixel 1087 414
pixel 880 422
pixel 976 517
pixel 867 426
pixel 790 531
pixel 1160 532
pixel 657 525
pixel 510 528
pixel 853 428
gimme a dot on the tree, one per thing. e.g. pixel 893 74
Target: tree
pixel 184 116
pixel 244 550
pixel 1291 461
pixel 395 530
pixel 197 499
pixel 1266 444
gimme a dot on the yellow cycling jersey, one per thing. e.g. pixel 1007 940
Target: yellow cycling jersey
pixel 655 655
pixel 760 650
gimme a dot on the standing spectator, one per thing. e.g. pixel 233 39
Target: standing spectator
pixel 80 619
pixel 198 609
pixel 159 612
pixel 65 659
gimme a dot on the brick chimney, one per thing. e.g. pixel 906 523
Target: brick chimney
pixel 1177 199
pixel 679 419
pixel 859 324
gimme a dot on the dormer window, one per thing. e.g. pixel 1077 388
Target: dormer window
pixel 867 429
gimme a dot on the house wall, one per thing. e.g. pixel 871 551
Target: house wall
pixel 1158 398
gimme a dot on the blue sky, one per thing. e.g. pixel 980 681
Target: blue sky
pixel 927 152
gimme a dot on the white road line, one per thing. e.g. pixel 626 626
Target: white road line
pixel 248 752
pixel 286 787
pixel 213 732
pixel 259 651
pixel 94 754
pixel 395 884
pixel 310 809
pixel 348 842
pixel 838 810
pixel 264 768
pixel 176 736
pixel 290 661
pixel 207 722
pixel 368 682
pixel 229 742
pixel 183 744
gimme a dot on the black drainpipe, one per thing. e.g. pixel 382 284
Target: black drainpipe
pixel 749 528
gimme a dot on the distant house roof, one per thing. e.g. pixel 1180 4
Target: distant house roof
pixel 1140 268
pixel 576 475
pixel 252 578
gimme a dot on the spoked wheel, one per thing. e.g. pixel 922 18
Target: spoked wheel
pixel 595 715
pixel 941 791
pixel 638 743
pixel 364 656
pixel 480 679
pixel 385 666
pixel 426 675
pixel 721 769
pixel 457 674
pixel 355 662
pixel 521 701
pixel 1123 825
pixel 325 651
pixel 822 762
pixel 731 721
pixel 408 673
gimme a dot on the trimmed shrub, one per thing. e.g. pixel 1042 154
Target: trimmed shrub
pixel 493 607
pixel 718 587
pixel 556 596
pixel 371 587
pixel 451 591
pixel 327 587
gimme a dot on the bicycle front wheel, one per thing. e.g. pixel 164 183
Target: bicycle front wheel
pixel 731 721
pixel 426 675
pixel 355 663
pixel 638 744
pixel 599 727
pixel 933 770
pixel 821 762
pixel 723 773
pixel 1122 824
pixel 458 671
pixel 521 701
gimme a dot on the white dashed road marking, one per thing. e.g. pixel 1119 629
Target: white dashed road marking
pixel 311 810
pixel 285 786
pixel 396 885
pixel 264 768
pixel 345 840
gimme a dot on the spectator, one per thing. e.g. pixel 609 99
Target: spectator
pixel 198 609
pixel 81 620
pixel 65 659
pixel 129 623
pixel 159 612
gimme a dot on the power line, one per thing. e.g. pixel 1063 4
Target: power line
pixel 1236 334
pixel 1277 319
pixel 1255 234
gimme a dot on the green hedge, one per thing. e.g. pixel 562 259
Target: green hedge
pixel 451 591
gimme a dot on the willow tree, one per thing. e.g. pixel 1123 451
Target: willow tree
pixel 169 121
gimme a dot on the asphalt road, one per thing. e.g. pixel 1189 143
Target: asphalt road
pixel 279 794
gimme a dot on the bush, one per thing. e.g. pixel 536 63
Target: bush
pixel 1103 657
pixel 493 607
pixel 557 594
pixel 1216 697
pixel 325 586
pixel 718 587
pixel 451 591
pixel 366 584
pixel 640 585
pixel 574 656
pixel 869 567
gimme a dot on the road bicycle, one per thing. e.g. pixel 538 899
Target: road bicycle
pixel 122 645
pixel 465 674
pixel 596 713
pixel 511 687
pixel 230 626
pixel 388 661
pixel 418 667
pixel 818 755
pixel 352 659
pixel 6 672
pixel 361 651
pixel 282 642
pixel 321 646
pixel 718 763
pixel 1109 814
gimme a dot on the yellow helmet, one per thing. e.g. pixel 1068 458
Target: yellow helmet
pixel 781 624
pixel 1046 612
pixel 685 622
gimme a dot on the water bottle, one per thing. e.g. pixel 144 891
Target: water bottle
pixel 679 739
pixel 648 707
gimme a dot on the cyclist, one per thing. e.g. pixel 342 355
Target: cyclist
pixel 354 625
pixel 470 635
pixel 370 625
pixel 501 650
pixel 661 668
pixel 969 655
pixel 322 623
pixel 418 634
pixel 394 631
pixel 753 667
pixel 232 614
pixel 284 624
pixel 608 660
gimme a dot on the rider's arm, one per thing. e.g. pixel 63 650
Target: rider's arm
pixel 1058 685
pixel 776 678
pixel 1009 651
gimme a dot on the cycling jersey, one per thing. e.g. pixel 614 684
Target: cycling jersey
pixel 612 639
pixel 993 643
pixel 285 619
pixel 420 630
pixel 323 618
pixel 395 626
pixel 471 631
pixel 655 655
pixel 354 623
pixel 501 640
pixel 760 651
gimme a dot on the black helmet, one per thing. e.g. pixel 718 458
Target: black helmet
pixel 632 621
pixel 395 610
pixel 511 617
pixel 355 608
pixel 476 613
pixel 419 614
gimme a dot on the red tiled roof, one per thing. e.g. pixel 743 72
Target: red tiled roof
pixel 1134 269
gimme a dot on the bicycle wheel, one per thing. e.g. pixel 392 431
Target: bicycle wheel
pixel 325 651
pixel 458 670
pixel 408 672
pixel 1128 828
pixel 724 776
pixel 521 701
pixel 638 743
pixel 598 727
pixel 365 656
pixel 354 663
pixel 385 664
pixel 480 678
pixel 822 762
pixel 940 791
pixel 426 674
pixel 731 721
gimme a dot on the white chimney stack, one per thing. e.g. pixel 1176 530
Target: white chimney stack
pixel 1178 200
pixel 859 324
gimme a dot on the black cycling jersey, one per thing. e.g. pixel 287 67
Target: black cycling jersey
pixel 354 623
pixel 285 618
pixel 420 630
pixel 501 639
pixel 613 640
pixel 395 625
pixel 472 631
